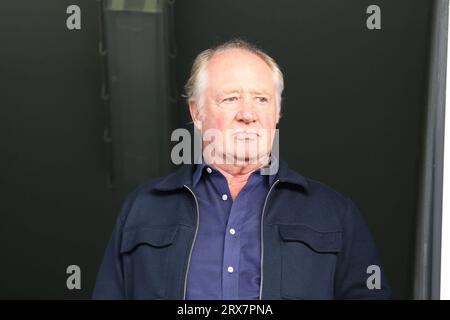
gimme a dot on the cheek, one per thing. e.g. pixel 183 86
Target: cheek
pixel 217 123
pixel 268 119
pixel 218 120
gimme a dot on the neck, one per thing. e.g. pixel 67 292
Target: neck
pixel 236 175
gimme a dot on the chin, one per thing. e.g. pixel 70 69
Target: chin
pixel 246 158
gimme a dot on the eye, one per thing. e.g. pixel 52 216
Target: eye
pixel 230 99
pixel 262 100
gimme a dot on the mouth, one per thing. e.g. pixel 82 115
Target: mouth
pixel 246 134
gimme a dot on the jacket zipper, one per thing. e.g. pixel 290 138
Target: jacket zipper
pixel 262 238
pixel 193 241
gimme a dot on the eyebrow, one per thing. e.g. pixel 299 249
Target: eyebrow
pixel 224 92
pixel 260 92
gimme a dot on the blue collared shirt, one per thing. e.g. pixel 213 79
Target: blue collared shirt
pixel 225 262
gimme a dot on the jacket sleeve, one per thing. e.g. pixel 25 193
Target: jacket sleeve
pixel 110 280
pixel 359 274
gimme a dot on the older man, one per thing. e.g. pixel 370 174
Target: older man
pixel 223 230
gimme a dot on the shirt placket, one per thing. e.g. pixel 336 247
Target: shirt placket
pixel 232 253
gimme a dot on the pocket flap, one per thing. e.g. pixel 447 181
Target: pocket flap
pixel 320 241
pixel 158 236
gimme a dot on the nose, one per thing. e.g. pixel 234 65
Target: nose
pixel 246 112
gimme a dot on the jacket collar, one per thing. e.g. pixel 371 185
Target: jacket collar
pixel 184 176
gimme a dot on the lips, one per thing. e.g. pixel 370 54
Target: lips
pixel 246 135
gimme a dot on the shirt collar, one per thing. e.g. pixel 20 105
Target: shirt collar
pixel 202 167
pixel 189 175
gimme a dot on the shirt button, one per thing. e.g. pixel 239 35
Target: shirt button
pixel 209 170
pixel 232 231
pixel 224 197
pixel 230 269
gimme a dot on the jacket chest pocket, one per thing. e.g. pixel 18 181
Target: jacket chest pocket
pixel 145 253
pixel 308 261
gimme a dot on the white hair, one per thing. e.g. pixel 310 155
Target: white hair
pixel 196 84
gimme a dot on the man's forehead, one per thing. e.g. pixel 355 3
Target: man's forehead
pixel 240 89
pixel 227 73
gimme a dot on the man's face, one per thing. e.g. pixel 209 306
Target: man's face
pixel 239 103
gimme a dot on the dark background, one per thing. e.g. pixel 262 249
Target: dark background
pixel 353 116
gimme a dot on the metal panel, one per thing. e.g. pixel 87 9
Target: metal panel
pixel 138 53
pixel 428 248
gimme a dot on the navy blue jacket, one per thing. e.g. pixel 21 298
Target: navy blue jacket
pixel 314 244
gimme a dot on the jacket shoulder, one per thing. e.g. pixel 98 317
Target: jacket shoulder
pixel 318 205
pixel 329 196
pixel 136 198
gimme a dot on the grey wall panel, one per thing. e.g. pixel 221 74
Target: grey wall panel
pixel 138 59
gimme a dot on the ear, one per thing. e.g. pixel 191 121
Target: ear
pixel 195 116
